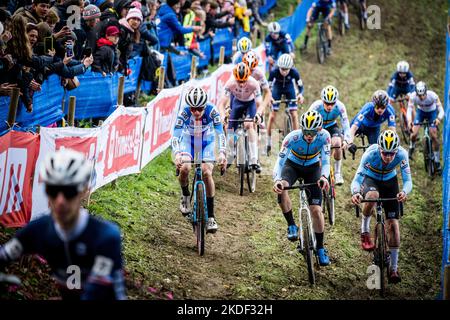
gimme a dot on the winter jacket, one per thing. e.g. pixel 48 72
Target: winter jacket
pixel 106 57
pixel 169 25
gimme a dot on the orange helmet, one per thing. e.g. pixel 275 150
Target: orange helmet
pixel 241 72
pixel 251 59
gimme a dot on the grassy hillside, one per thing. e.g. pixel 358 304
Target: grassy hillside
pixel 250 257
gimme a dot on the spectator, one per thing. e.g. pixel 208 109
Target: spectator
pixel 254 7
pixel 168 26
pixel 52 19
pixel 91 17
pixel 35 13
pixel 213 21
pixel 106 57
pixel 129 34
pixel 243 14
pixel 191 18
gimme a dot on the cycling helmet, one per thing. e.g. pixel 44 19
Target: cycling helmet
pixel 251 59
pixel 388 141
pixel 380 98
pixel 274 27
pixel 330 94
pixel 241 72
pixel 285 61
pixel 421 88
pixel 244 45
pixel 311 120
pixel 66 167
pixel 196 98
pixel 403 66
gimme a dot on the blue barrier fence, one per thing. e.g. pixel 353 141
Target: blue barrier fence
pixel 295 24
pixel 446 171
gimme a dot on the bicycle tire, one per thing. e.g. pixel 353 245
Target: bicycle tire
pixel 362 21
pixel 428 160
pixel 381 251
pixel 331 203
pixel 341 24
pixel 287 123
pixel 200 222
pixel 241 163
pixel 320 48
pixel 404 127
pixel 309 250
pixel 241 169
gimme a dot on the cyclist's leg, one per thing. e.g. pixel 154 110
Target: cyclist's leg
pixel 289 175
pixel 370 191
pixel 310 25
pixel 327 24
pixel 345 9
pixel 433 134
pixel 336 141
pixel 415 131
pixel 312 174
pixel 187 152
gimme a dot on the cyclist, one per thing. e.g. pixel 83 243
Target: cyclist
pixel 284 79
pixel 327 8
pixel 305 154
pixel 402 81
pixel 244 95
pixel 244 45
pixel 252 61
pixel 376 177
pixel 277 42
pixel 370 118
pixel 194 133
pixel 83 251
pixel 428 104
pixel 343 4
pixel 330 108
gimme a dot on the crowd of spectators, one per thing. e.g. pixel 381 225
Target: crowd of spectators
pixel 39 38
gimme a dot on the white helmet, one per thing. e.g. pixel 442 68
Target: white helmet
pixel 421 88
pixel 285 61
pixel 330 94
pixel 244 44
pixel 311 120
pixel 274 27
pixel 66 167
pixel 388 141
pixel 403 66
pixel 196 98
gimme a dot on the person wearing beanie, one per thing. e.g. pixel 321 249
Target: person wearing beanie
pixel 91 13
pixel 106 57
pixel 129 34
pixel 35 13
pixel 137 5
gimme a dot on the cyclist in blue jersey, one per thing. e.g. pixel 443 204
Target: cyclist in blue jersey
pixel 376 177
pixel 370 118
pixel 244 45
pixel 195 131
pixel 305 154
pixel 277 42
pixel 402 81
pixel 284 79
pixel 330 108
pixel 83 252
pixel 327 8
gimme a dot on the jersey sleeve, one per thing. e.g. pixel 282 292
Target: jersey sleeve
pixel 325 156
pixel 345 122
pixel 359 175
pixel 282 156
pixel 359 118
pixel 406 173
pixel 391 116
pixel 218 127
pixel 180 122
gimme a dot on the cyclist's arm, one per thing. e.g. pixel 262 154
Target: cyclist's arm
pixel 310 10
pixel 359 118
pixel 411 84
pixel 409 110
pixel 345 124
pixel 325 157
pixel 440 109
pixel 298 83
pixel 355 187
pixel 267 96
pixel 391 118
pixel 406 174
pixel 218 127
pixel 282 156
pixel 106 275
pixel 177 131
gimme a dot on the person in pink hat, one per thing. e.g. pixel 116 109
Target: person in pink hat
pixel 129 34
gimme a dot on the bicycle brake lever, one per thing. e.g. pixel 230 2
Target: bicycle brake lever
pixel 177 172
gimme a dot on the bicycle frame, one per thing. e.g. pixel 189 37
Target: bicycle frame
pixel 198 179
pixel 428 148
pixel 304 209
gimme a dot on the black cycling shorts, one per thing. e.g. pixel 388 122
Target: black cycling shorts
pixel 386 189
pixel 292 172
pixel 334 130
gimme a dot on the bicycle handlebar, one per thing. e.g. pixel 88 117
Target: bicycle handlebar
pixel 301 186
pixel 284 101
pixel 241 120
pixel 378 201
pixel 177 172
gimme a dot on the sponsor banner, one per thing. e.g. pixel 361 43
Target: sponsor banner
pixel 162 113
pixel 220 77
pixel 18 154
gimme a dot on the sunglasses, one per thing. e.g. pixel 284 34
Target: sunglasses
pixel 284 70
pixel 311 133
pixel 69 192
pixel 198 109
pixel 380 107
pixel 388 154
pixel 329 104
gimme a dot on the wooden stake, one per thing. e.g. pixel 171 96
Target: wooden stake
pixel 234 46
pixel 194 67
pixel 120 91
pixel 13 104
pixel 162 72
pixel 291 9
pixel 222 56
pixel 71 115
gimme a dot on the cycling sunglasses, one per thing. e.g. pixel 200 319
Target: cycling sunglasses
pixel 388 154
pixel 284 69
pixel 311 133
pixel 69 192
pixel 199 109
pixel 380 107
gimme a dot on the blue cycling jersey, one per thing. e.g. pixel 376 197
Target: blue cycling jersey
pixel 330 118
pixel 404 85
pixel 288 83
pixel 186 127
pixel 92 248
pixel 282 44
pixel 296 149
pixel 372 165
pixel 324 4
pixel 369 118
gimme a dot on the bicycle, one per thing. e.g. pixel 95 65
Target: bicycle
pixel 360 9
pixel 428 156
pixel 307 237
pixel 363 146
pixel 321 43
pixel 287 121
pixel 330 196
pixel 406 132
pixel 242 152
pixel 380 254
pixel 199 216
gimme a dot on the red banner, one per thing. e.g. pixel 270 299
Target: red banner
pixel 162 121
pixel 18 155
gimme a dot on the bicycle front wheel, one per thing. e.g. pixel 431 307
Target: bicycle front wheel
pixel 427 157
pixel 309 248
pixel 320 45
pixel 287 123
pixel 381 255
pixel 200 222
pixel 405 129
